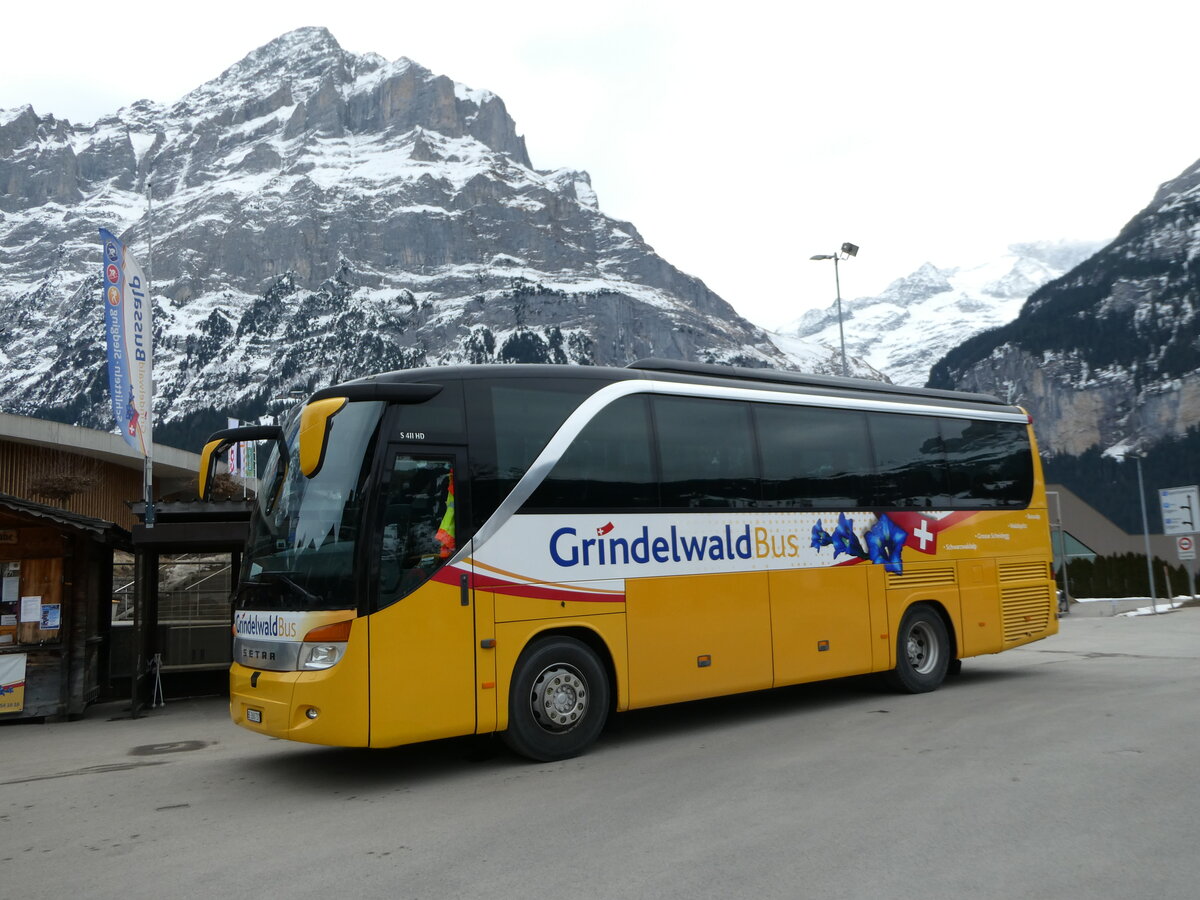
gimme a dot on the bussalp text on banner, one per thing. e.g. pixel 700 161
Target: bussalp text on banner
pixel 128 326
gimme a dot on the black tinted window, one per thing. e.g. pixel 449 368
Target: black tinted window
pixel 510 422
pixel 609 465
pixel 706 452
pixel 813 458
pixel 526 418
pixel 418 534
pixel 910 463
pixel 834 459
pixel 991 463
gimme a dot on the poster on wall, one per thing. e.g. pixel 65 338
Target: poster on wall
pixel 10 581
pixel 12 682
pixel 51 616
pixel 31 609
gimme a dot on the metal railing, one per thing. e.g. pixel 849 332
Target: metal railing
pixel 182 598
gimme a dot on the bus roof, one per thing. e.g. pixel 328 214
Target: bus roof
pixel 781 376
pixel 690 373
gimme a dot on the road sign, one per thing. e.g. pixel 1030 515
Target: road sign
pixel 1180 506
pixel 1185 544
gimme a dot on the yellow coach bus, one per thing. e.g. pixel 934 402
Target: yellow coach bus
pixel 528 549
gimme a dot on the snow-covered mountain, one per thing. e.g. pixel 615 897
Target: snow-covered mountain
pixel 1108 356
pixel 318 215
pixel 920 317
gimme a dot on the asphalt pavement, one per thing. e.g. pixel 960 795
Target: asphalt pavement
pixel 1062 769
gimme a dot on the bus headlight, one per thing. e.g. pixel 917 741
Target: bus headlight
pixel 325 646
pixel 321 656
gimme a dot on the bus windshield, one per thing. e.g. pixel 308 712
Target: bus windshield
pixel 300 552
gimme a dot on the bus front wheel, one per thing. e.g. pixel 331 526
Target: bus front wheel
pixel 922 651
pixel 558 701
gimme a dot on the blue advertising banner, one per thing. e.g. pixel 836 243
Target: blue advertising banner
pixel 128 326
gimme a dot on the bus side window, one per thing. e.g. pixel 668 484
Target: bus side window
pixel 813 458
pixel 418 527
pixel 991 464
pixel 910 461
pixel 608 466
pixel 706 451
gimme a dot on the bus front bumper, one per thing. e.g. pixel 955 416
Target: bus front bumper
pixel 298 706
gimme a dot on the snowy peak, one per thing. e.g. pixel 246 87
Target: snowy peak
pixel 922 284
pixel 324 89
pixel 319 215
pixel 1179 190
pixel 299 60
pixel 1108 353
pixel 1025 277
pixel 916 319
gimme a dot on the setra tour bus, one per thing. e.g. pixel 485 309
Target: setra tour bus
pixel 527 549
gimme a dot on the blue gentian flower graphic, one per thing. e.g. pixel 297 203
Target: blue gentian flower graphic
pixel 885 543
pixel 820 537
pixel 845 540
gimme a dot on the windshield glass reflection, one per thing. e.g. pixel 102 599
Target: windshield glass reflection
pixel 301 549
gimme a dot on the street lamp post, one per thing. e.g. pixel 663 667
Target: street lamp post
pixel 1146 535
pixel 846 252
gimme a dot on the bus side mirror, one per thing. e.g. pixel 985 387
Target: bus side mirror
pixel 208 464
pixel 220 441
pixel 315 421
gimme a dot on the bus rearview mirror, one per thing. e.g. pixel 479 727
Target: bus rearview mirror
pixel 315 421
pixel 220 441
pixel 208 464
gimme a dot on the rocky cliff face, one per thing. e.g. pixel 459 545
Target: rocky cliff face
pixel 1109 354
pixel 318 215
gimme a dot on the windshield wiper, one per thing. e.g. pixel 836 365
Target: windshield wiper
pixel 296 589
pixel 278 578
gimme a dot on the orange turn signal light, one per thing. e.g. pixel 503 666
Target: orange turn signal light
pixel 338 632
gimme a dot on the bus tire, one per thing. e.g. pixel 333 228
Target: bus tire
pixel 923 651
pixel 558 701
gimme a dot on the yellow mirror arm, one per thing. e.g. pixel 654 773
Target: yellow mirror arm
pixel 315 421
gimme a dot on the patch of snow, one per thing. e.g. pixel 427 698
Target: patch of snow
pixel 1157 608
pixel 1119 450
pixel 473 95
pixel 586 194
pixel 524 203
pixel 370 80
pixel 9 115
pixel 141 144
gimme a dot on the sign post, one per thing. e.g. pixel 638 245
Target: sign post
pixel 1180 506
pixel 1185 546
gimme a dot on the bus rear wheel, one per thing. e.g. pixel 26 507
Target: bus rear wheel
pixel 558 701
pixel 923 652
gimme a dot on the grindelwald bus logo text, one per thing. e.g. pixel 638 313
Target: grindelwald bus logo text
pixel 259 625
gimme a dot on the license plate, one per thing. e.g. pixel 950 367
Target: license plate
pixel 254 715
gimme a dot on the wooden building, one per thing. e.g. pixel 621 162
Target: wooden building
pixel 65 495
pixel 56 607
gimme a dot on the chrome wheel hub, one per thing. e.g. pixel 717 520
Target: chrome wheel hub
pixel 922 649
pixel 559 698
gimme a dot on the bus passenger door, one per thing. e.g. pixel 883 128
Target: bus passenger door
pixel 422 630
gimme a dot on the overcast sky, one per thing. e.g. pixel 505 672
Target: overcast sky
pixel 739 138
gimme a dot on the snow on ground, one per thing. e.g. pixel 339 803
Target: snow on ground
pixel 1154 609
pixel 1162 606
